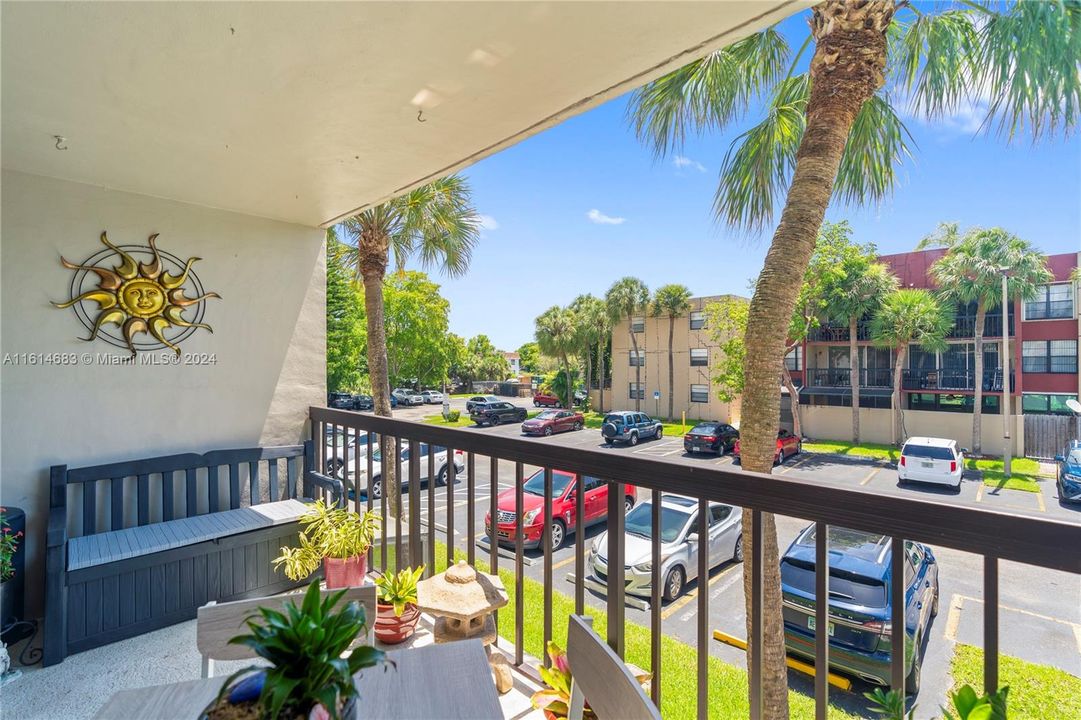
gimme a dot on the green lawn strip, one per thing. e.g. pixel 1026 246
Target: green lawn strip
pixel 1037 691
pixel 1024 473
pixel 727 683
pixel 462 421
pixel 837 447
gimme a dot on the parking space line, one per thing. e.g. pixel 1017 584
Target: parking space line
pixel 1039 500
pixel 869 476
pixel 791 466
pixel 979 491
pixel 679 604
pixel 563 563
pixel 1060 621
pixel 954 618
pixel 1077 636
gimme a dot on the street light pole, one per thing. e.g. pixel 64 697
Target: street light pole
pixel 1004 406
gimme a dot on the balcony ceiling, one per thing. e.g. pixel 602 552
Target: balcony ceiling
pixel 308 112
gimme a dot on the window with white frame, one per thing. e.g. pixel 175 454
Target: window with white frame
pixel 637 358
pixel 698 320
pixel 700 393
pixel 699 357
pixel 637 392
pixel 794 359
pixel 1049 356
pixel 1051 301
pixel 638 324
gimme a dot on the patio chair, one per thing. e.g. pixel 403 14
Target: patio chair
pixel 217 622
pixel 600 675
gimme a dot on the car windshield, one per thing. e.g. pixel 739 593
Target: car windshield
pixel 560 482
pixel 639 521
pixel 931 452
pixel 703 430
pixel 1074 457
pixel 548 415
pixel 846 586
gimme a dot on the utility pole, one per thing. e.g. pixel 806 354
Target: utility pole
pixel 1004 408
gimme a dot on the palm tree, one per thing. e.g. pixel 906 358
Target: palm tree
pixel 671 301
pixel 831 129
pixel 438 225
pixel 557 335
pixel 906 317
pixel 971 271
pixel 625 299
pixel 865 285
pixel 593 328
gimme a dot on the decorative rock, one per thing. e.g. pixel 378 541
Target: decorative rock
pixel 501 671
pixel 461 573
pixel 248 689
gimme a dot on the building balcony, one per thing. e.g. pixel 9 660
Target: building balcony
pixel 964 326
pixel 953 380
pixel 842 377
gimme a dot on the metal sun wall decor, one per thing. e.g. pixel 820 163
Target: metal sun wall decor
pixel 143 293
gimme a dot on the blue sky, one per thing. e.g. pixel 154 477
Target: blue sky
pixel 583 204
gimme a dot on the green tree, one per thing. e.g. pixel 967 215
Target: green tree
pixel 833 129
pixel 592 328
pixel 346 336
pixel 905 317
pixel 627 298
pixel 671 301
pixel 482 361
pixel 528 356
pixel 557 336
pixel 437 225
pixel 971 271
pixel 853 289
pixel 456 356
pixel 417 318
pixel 727 322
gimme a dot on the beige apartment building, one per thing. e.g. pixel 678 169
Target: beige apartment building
pixel 693 354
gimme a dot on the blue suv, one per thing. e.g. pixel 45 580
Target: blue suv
pixel 1069 474
pixel 630 427
pixel 859 604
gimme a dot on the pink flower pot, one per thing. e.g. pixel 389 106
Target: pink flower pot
pixel 344 572
pixel 392 629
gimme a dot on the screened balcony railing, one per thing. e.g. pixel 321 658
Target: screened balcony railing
pixel 949 379
pixel 964 326
pixel 842 377
pixel 993 535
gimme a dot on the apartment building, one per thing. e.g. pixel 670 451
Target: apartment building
pixel 938 388
pixel 693 354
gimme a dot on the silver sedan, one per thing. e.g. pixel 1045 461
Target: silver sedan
pixel 679 544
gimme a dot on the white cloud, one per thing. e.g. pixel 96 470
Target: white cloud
pixel 681 162
pixel 599 218
pixel 967 118
pixel 487 222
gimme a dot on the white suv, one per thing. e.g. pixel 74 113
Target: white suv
pixel 932 460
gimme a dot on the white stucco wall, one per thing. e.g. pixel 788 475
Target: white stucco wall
pixel 269 340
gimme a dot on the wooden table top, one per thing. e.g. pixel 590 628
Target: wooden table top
pixel 450 681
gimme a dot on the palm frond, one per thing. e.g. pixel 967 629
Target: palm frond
pixel 935 60
pixel 877 144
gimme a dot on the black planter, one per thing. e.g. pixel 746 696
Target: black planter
pixel 12 591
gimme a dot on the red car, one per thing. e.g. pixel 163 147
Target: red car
pixel 787 446
pixel 553 421
pixel 546 400
pixel 564 487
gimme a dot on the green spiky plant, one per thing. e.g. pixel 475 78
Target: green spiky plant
pixel 890 704
pixel 399 589
pixel 329 531
pixel 555 700
pixel 304 646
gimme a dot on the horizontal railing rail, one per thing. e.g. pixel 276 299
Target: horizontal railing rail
pixel 964 326
pixel 949 379
pixel 842 377
pixel 1035 541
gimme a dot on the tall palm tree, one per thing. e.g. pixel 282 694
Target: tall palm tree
pixel 593 327
pixel 557 335
pixel 905 317
pixel 626 298
pixel 436 224
pixel 865 285
pixel 971 271
pixel 833 128
pixel 672 301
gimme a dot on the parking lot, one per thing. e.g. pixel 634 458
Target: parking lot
pixel 1040 610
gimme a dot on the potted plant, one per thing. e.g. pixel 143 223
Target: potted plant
pixel 336 537
pixel 11 580
pixel 307 677
pixel 555 701
pixel 396 609
pixel 890 704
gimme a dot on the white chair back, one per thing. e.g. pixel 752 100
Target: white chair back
pixel 216 623
pixel 600 676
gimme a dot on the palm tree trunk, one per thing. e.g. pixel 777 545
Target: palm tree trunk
pixel 600 372
pixel 569 399
pixel 854 377
pixel 589 371
pixel 846 70
pixel 977 381
pixel 895 399
pixel 637 372
pixel 671 367
pixel 793 400
pixel 378 374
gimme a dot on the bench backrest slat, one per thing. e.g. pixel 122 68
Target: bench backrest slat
pixel 191 497
pixel 90 506
pixel 116 487
pixel 167 495
pixel 234 486
pixel 272 475
pixel 214 490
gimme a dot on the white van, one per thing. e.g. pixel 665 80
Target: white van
pixel 932 460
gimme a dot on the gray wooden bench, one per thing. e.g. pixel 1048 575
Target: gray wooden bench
pixel 135 546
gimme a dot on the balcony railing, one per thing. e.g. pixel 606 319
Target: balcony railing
pixel 841 377
pixel 947 379
pixel 1034 541
pixel 964 326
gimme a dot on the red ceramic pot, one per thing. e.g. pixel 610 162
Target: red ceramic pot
pixel 392 629
pixel 341 573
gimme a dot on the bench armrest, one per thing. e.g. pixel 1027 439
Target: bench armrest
pixel 57 534
pixel 313 480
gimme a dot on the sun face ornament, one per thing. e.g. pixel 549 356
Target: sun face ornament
pixel 138 297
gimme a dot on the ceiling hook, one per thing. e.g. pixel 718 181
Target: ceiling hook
pixel 61 142
pixel 419 118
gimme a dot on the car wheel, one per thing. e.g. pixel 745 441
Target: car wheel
pixel 779 458
pixel 720 450
pixel 660 431
pixel 912 682
pixel 934 604
pixel 493 420
pixel 633 439
pixel 548 431
pixel 441 478
pixel 577 426
pixel 799 448
pixel 628 504
pixel 375 489
pixel 673 584
pixel 334 467
pixel 559 534
pixel 957 489
pixel 737 554
pixel 536 404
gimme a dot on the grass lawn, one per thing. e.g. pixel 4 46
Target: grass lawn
pixel 437 419
pixel 837 447
pixel 1036 691
pixel 727 683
